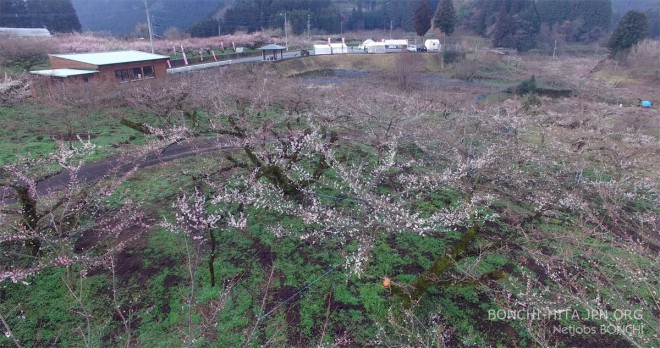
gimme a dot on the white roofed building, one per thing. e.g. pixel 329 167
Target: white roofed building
pixel 390 44
pixel 372 46
pixel 25 32
pixel 120 66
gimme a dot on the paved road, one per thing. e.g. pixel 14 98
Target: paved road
pixel 285 55
pixel 188 68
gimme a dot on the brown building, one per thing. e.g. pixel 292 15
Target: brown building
pixel 119 66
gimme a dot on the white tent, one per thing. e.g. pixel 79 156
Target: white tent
pixel 365 44
pixel 378 47
pixel 395 43
pixel 335 48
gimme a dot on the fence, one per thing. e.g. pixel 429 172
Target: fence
pixel 177 63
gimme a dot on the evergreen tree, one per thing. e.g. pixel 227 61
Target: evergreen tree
pixel 204 28
pixel 356 20
pixel 528 26
pixel 653 15
pixel 591 19
pixel 503 29
pixel 408 15
pixel 423 18
pixel 633 28
pixel 445 17
pixel 393 11
pixel 55 15
pixel 483 15
pixel 517 25
pixel 255 15
pixel 13 14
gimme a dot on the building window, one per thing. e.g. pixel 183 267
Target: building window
pixel 135 74
pixel 122 75
pixel 148 72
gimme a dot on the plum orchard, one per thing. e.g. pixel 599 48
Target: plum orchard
pixel 536 208
pixel 573 209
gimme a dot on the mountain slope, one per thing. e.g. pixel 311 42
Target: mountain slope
pixel 120 17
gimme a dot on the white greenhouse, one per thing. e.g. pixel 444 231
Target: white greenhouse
pixel 335 48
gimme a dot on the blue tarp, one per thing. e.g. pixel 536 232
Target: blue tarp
pixel 646 104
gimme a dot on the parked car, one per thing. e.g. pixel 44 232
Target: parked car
pixel 421 48
pixel 412 48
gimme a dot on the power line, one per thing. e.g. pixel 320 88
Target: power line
pixel 300 291
pixel 296 294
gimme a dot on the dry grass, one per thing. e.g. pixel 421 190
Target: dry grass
pixel 368 62
pixel 418 63
pixel 593 78
pixel 13 89
pixel 636 77
pixel 644 61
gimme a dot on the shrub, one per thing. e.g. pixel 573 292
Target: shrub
pixel 405 66
pixel 24 53
pixel 467 70
pixel 643 59
pixel 173 33
pixel 450 57
pixel 527 86
pixel 13 89
pixel 530 101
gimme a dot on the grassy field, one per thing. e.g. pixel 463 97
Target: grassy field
pixel 35 130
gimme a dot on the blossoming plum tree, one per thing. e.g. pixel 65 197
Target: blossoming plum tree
pixel 42 229
pixel 567 210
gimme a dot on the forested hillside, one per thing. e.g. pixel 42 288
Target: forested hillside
pixel 55 15
pixel 649 7
pixel 520 21
pixel 120 17
pixel 327 16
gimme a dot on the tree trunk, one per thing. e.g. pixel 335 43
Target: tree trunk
pixel 30 217
pixel 414 290
pixel 212 258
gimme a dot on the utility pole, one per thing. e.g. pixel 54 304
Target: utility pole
pixel 151 33
pixel 286 35
pixel 391 22
pixel 309 27
pixel 341 26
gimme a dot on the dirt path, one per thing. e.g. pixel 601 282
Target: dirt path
pixel 98 170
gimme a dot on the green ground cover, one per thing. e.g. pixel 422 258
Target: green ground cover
pixel 35 130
